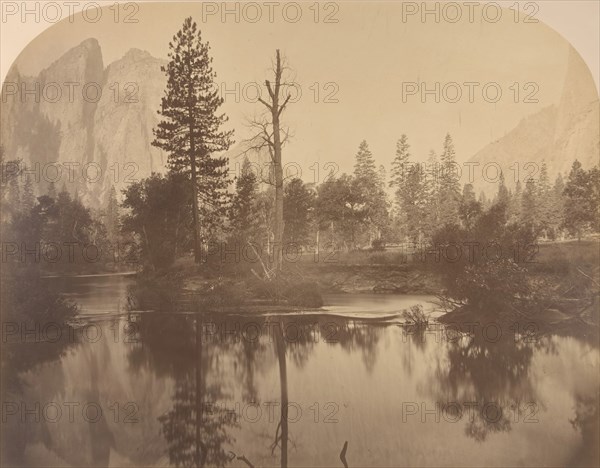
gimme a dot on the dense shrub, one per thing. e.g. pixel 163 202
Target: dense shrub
pixel 485 266
pixel 378 245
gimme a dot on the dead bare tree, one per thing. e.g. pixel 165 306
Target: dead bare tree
pixel 269 135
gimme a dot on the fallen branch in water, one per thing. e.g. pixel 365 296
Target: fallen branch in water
pixel 588 277
pixel 242 458
pixel 343 454
pixel 275 444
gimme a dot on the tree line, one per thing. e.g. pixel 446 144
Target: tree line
pixel 194 203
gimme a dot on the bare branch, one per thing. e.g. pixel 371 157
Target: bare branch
pixel 267 105
pixel 271 93
pixel 284 103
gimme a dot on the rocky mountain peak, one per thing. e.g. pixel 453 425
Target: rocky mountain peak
pixel 104 117
pixel 137 54
pixel 557 134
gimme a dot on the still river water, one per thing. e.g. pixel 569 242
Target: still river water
pixel 152 389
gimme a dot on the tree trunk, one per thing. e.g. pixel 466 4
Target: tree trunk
pixel 280 343
pixel 200 454
pixel 148 247
pixel 194 176
pixel 176 233
pixel 277 170
pixel 196 208
pixel 274 143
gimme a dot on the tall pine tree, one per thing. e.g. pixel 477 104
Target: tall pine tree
pixel 399 164
pixel 556 210
pixel 514 209
pixel 366 182
pixel 298 203
pixel 432 181
pixel 191 131
pixel 28 197
pixel 412 197
pixel 244 211
pixel 364 168
pixel 449 195
pixel 503 196
pixel 543 198
pixel 112 216
pixel 581 200
pixel 529 211
pixel 469 208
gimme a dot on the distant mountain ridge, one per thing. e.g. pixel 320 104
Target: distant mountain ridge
pixel 557 134
pixel 114 133
pixel 112 128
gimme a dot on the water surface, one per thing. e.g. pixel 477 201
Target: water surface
pixel 188 390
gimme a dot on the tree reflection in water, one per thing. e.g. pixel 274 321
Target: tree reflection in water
pixel 28 306
pixel 195 429
pixel 194 351
pixel 488 381
pixel 185 370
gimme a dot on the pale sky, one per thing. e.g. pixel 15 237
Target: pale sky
pixel 366 57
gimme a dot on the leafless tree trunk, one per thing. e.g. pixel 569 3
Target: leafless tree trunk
pixel 271 136
pixel 283 422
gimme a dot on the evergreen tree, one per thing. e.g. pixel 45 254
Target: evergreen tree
pixel 543 186
pixel 469 208
pixel 28 197
pixel 412 198
pixel 483 200
pixel 432 182
pixel 382 214
pixel 514 207
pixel 381 177
pixel 298 203
pixel 543 198
pixel 581 200
pixel 366 183
pixel 556 210
pixel 10 199
pixel 399 164
pixel 529 212
pixel 449 194
pixel 159 213
pixel 364 168
pixel 503 194
pixel 594 198
pixel 244 216
pixel 191 131
pixel 14 195
pixel 112 216
pixel 339 209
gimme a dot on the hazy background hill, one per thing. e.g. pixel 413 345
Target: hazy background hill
pixel 112 129
pixel 116 131
pixel 557 134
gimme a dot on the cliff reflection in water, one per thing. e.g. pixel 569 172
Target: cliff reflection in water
pixel 186 390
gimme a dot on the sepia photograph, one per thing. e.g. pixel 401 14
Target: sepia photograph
pixel 300 234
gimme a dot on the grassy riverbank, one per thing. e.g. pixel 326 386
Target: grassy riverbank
pixel 567 271
pixel 567 278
